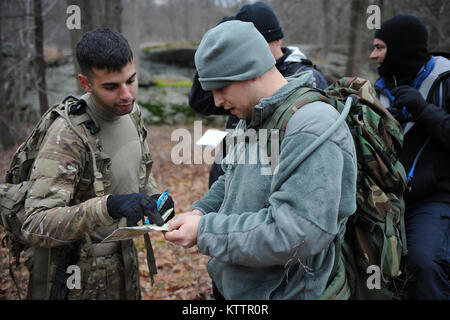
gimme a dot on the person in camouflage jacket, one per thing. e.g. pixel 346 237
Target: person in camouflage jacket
pixel 66 217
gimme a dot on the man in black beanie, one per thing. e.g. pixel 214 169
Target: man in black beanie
pixel 289 61
pixel 415 87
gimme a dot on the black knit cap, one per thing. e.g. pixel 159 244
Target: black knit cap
pixel 263 18
pixel 406 40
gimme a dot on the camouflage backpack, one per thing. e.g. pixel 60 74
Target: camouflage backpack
pixel 375 234
pixel 14 192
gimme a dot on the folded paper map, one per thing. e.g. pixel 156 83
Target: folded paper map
pixel 212 138
pixel 125 233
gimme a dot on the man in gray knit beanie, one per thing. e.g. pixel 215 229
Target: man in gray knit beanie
pixel 228 57
pixel 232 51
pixel 254 224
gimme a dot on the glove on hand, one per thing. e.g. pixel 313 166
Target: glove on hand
pixel 134 207
pixel 399 115
pixel 410 98
pixel 167 205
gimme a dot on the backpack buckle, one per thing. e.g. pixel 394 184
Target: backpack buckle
pixel 78 108
pixel 356 131
pixel 91 126
pixel 9 176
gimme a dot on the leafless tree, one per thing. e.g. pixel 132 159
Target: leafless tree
pixel 327 27
pixel 17 50
pixel 7 139
pixel 336 27
pixel 39 56
pixel 94 14
pixel 356 23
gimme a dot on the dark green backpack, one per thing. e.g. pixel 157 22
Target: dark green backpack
pixel 13 193
pixel 375 234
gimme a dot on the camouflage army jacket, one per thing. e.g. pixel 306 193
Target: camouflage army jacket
pixel 62 207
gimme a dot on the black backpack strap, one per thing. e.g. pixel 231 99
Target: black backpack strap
pixel 337 256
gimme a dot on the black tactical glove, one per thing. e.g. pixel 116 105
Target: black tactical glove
pixel 167 205
pixel 410 98
pixel 134 207
pixel 399 115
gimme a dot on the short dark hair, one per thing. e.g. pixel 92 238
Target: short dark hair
pixel 103 48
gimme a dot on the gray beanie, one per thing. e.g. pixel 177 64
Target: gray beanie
pixel 232 51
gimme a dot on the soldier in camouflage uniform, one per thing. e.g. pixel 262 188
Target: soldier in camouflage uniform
pixel 270 236
pixel 66 219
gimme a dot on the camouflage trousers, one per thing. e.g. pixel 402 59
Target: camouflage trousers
pixel 103 278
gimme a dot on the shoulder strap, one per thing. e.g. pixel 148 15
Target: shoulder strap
pixel 285 111
pixel 146 156
pixel 324 136
pixel 87 140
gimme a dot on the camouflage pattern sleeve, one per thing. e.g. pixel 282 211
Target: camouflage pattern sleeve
pixel 53 214
pixel 3 190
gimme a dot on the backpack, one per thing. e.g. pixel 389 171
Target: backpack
pixel 13 193
pixel 375 234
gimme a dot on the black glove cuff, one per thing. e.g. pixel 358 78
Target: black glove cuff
pixel 111 203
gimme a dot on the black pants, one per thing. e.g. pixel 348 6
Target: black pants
pixel 428 259
pixel 215 173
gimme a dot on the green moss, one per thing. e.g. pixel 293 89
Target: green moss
pixel 156 108
pixel 169 45
pixel 166 111
pixel 184 108
pixel 173 83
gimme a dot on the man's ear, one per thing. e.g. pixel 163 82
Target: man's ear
pixel 84 82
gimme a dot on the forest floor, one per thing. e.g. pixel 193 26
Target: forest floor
pixel 181 272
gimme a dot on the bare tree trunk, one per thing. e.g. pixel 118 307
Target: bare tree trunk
pixel 327 30
pixel 7 139
pixel 352 68
pixel 39 60
pixel 381 4
pixel 186 19
pixel 132 29
pixel 76 34
pixel 113 14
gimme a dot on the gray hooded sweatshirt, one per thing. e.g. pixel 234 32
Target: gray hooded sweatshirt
pixel 271 236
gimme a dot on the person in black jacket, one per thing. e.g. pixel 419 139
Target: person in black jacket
pixel 415 87
pixel 289 61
